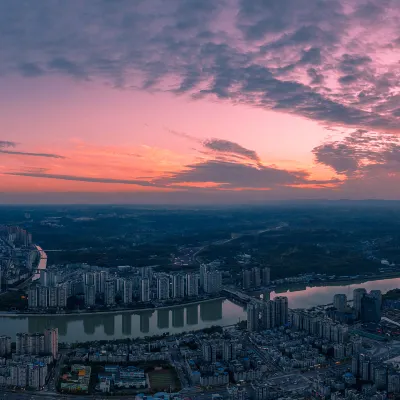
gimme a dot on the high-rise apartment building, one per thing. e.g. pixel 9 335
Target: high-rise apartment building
pixel 340 302
pixel 268 315
pixel 213 282
pixel 89 278
pixel 246 279
pixel 204 268
pixel 178 286
pixel 103 279
pixel 163 287
pixel 266 276
pixel 358 294
pixel 229 350
pixel 377 294
pixel 256 277
pixel 48 277
pixel 5 345
pixel 110 292
pixel 51 342
pixel 145 290
pixel 252 317
pixel 90 295
pixel 370 310
pixel 127 291
pixel 281 310
pixel 209 351
pixel 33 300
pixel 192 285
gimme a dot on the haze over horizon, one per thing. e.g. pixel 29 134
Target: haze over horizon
pixel 199 101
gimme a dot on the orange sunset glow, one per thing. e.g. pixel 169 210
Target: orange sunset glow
pixel 191 102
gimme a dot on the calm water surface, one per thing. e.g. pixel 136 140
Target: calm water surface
pixel 174 320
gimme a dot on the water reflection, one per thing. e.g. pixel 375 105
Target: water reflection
pixel 163 319
pixel 192 314
pixel 301 296
pixel 130 324
pixel 145 321
pixel 127 324
pixel 211 311
pixel 178 317
pixel 153 322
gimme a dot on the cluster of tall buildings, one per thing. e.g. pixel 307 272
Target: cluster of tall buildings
pixel 210 279
pixel 26 375
pixel 383 375
pixel 48 293
pixel 366 306
pixel 177 286
pixel 267 314
pixel 226 349
pixel 38 343
pixel 16 235
pixel 5 346
pixel 18 256
pixel 316 325
pixel 256 277
pixel 96 286
pixel 27 367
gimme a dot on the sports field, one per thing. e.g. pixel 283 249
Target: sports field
pixel 164 380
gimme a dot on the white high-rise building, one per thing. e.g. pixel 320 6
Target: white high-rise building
pixel 340 302
pixel 62 295
pixel 203 271
pixel 163 287
pixel 127 291
pixel 43 296
pixel 51 342
pixel 103 280
pixel 33 301
pixel 52 293
pixel 89 278
pixel 213 282
pixel 145 290
pixel 192 285
pixel 109 294
pixel 48 278
pixel 120 282
pixel 178 286
pixel 90 295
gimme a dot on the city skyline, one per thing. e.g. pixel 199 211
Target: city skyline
pixel 198 102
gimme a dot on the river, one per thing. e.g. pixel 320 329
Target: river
pixel 175 319
pixel 42 262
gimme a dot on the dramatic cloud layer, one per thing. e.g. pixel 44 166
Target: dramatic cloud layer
pixel 226 146
pixel 6 144
pixel 334 61
pixel 361 154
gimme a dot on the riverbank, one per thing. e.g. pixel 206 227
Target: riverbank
pixel 119 311
pixel 296 287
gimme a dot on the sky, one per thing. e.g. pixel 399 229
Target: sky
pixel 199 101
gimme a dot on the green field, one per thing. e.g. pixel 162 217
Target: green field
pixel 164 380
